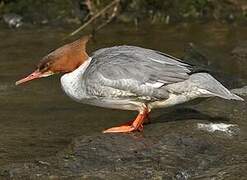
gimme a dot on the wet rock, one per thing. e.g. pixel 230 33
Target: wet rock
pixel 167 149
pixel 13 20
pixel 240 52
pixel 240 91
pixel 128 156
pixel 239 56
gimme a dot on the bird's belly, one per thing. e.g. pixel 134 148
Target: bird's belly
pixel 123 104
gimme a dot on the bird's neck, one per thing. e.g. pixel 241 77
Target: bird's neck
pixel 72 82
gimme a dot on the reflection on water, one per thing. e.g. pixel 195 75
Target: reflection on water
pixel 37 119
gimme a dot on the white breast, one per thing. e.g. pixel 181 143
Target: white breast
pixel 72 83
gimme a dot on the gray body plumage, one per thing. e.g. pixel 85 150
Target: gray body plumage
pixel 129 77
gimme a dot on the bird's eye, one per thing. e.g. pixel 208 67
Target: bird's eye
pixel 43 67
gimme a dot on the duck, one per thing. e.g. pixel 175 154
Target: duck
pixel 127 78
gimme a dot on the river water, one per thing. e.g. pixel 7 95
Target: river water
pixel 38 119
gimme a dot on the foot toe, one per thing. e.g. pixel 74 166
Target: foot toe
pixel 121 129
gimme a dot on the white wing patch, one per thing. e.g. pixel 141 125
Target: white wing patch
pixel 159 61
pixel 155 85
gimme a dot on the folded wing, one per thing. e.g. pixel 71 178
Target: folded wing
pixel 133 71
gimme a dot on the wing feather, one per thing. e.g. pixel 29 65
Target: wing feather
pixel 136 70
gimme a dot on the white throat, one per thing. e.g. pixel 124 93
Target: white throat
pixel 72 82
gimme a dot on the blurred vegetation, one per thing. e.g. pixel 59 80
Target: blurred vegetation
pixel 38 10
pixel 179 10
pixel 167 11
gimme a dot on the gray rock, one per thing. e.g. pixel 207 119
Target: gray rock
pixel 13 20
pixel 240 91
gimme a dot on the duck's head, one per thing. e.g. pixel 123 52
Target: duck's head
pixel 62 60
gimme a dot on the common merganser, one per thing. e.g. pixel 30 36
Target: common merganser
pixel 128 78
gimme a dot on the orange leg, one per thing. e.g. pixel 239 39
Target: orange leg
pixel 130 126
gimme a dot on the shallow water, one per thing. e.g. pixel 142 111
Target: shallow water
pixel 37 119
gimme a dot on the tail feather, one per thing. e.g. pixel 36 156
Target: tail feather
pixel 213 87
pixel 236 97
